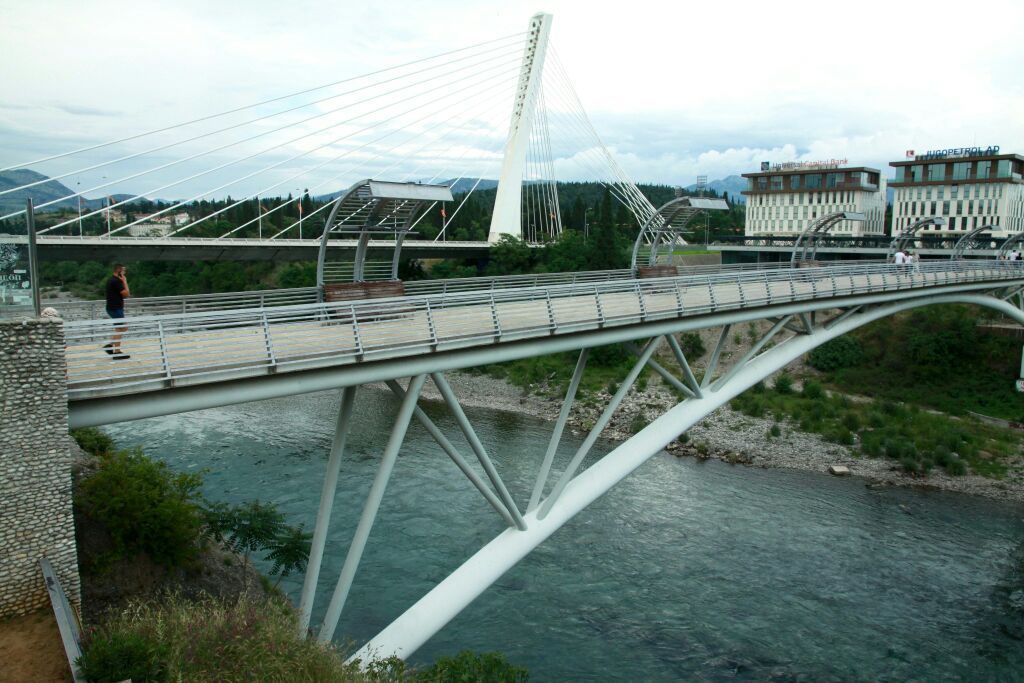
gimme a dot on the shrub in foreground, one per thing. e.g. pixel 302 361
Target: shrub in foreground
pixel 93 441
pixel 146 508
pixel 114 657
pixel 253 639
pixel 487 667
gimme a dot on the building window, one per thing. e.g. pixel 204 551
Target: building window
pixel 962 170
pixel 813 181
pixel 917 173
pixel 833 179
pixel 936 171
pixel 762 183
pixel 984 169
pixel 794 182
pixel 776 182
pixel 1003 168
pixel 954 191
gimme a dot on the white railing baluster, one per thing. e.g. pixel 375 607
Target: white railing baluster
pixel 163 350
pixel 266 338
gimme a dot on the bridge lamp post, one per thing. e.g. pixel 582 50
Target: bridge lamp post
pixel 78 190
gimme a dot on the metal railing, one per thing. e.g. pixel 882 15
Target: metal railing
pixel 191 303
pixel 171 350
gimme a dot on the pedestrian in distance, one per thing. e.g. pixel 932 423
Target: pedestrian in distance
pixel 899 258
pixel 117 292
pixel 914 261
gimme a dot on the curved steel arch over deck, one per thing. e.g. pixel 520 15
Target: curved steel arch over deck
pixel 374 206
pixel 907 234
pixel 972 240
pixel 1011 242
pixel 671 220
pixel 808 239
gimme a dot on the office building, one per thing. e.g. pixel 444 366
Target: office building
pixel 970 187
pixel 786 199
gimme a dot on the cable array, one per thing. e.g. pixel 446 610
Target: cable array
pixel 436 119
pixel 395 120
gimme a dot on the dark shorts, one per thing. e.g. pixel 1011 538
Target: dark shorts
pixel 115 312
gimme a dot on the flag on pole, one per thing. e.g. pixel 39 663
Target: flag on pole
pixel 444 214
pixel 300 209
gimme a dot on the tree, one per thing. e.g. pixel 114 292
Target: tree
pixel 510 256
pixel 289 551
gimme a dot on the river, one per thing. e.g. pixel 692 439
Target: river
pixel 685 571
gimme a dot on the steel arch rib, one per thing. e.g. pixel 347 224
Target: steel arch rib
pixel 441 604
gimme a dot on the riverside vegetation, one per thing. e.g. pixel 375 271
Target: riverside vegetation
pixel 913 365
pixel 170 632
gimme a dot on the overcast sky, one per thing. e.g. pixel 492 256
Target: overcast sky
pixel 674 89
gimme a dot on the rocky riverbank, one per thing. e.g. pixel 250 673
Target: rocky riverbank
pixel 726 435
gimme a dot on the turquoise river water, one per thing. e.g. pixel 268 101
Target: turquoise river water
pixel 685 571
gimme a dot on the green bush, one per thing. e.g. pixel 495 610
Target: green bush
pixel 841 352
pixel 784 384
pixel 115 657
pixel 146 508
pixel 775 431
pixel 692 346
pixel 488 667
pixel 251 639
pixel 93 441
pixel 812 390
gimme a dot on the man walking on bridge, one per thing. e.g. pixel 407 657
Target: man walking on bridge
pixel 117 292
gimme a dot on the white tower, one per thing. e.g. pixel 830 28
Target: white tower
pixel 507 218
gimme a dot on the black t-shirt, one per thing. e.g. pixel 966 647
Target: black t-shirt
pixel 114 289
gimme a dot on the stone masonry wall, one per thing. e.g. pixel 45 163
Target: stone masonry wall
pixel 36 516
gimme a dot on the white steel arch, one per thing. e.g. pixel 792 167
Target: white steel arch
pixel 430 614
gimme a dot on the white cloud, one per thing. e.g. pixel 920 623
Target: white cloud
pixel 677 89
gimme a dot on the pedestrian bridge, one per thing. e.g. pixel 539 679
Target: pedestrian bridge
pixel 185 361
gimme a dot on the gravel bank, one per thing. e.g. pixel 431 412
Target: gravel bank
pixel 726 435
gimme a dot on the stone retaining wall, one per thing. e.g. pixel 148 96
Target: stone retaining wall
pixel 36 517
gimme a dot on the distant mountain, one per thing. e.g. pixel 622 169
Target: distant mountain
pixel 458 185
pixel 462 185
pixel 733 184
pixel 43 193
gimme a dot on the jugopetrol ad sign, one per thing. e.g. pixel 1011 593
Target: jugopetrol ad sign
pixel 15 280
pixel 958 152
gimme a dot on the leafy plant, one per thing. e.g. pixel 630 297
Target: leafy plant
pixel 93 441
pixel 692 346
pixel 289 551
pixel 784 384
pixel 145 507
pixel 841 352
pixel 120 656
pixel 487 667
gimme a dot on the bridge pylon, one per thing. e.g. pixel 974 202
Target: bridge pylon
pixel 507 216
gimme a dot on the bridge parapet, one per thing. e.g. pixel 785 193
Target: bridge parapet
pixel 196 348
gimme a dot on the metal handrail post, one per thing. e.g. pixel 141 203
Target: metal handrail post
pixel 163 349
pixel 266 336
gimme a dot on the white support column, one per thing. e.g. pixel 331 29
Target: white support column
pixel 373 500
pixel 507 218
pixel 323 517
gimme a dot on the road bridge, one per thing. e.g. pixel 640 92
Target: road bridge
pixel 72 248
